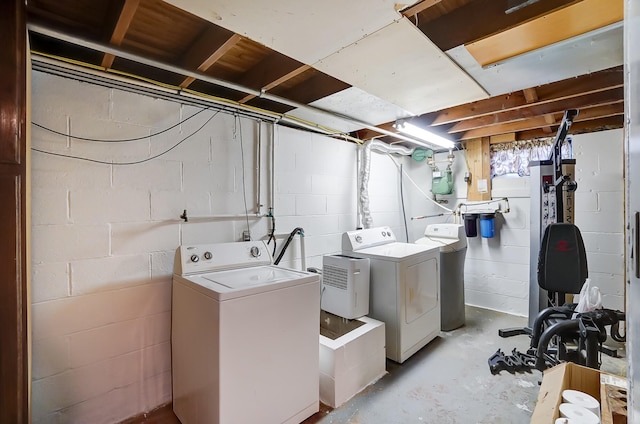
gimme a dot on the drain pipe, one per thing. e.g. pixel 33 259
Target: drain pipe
pixel 365 220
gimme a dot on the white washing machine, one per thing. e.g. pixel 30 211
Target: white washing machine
pixel 244 337
pixel 451 240
pixel 404 288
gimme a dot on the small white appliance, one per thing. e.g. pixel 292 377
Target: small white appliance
pixel 404 288
pixel 345 286
pixel 451 240
pixel 244 337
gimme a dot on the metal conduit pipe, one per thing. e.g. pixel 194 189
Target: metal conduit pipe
pixel 365 164
pixel 101 47
pixel 55 67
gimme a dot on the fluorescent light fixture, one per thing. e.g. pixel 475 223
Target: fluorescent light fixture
pixel 424 135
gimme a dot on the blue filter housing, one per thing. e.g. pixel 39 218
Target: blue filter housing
pixel 487 224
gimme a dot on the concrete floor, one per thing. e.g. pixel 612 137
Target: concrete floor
pixel 446 382
pixel 449 381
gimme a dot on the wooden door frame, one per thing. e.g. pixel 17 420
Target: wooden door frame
pixel 14 300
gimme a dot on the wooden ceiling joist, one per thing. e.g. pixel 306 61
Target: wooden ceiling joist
pixel 612 122
pixel 565 89
pixel 540 109
pixel 318 86
pixel 587 114
pixel 274 70
pixel 531 96
pixel 212 57
pixel 124 20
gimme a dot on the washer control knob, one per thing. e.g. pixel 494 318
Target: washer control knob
pixel 208 255
pixel 194 258
pixel 359 238
pixel 255 251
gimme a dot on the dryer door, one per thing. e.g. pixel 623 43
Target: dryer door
pixel 421 292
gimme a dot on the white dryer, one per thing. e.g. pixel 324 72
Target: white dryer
pixel 244 337
pixel 404 288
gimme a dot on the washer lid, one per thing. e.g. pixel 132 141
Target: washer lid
pixel 397 251
pixel 249 277
pixel 445 244
pixel 223 285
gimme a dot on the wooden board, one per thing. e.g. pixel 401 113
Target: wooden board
pixel 574 20
pixel 478 157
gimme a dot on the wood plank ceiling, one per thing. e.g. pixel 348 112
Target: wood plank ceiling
pixel 164 33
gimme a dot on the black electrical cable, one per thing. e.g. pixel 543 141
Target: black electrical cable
pixel 286 244
pixel 272 234
pixel 120 140
pixel 404 214
pixel 133 162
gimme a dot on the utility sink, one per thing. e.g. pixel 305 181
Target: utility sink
pixel 352 356
pixel 333 326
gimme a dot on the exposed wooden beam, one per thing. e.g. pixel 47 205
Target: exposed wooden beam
pixel 213 57
pixel 587 114
pixel 502 138
pixel 318 86
pixel 274 70
pixel 124 21
pixel 15 242
pixel 366 134
pixel 477 151
pixel 38 15
pixel 601 124
pixel 531 96
pixel 419 7
pixel 572 87
pixel 541 109
pixel 480 18
pixel 560 25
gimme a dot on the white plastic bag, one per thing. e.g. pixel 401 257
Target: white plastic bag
pixel 590 298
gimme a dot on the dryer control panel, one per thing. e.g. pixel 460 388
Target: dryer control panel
pixel 369 237
pixel 198 258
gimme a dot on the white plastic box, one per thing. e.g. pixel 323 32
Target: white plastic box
pixel 352 361
pixel 345 286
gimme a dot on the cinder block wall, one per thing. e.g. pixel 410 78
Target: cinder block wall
pixel 497 269
pixel 600 210
pixel 104 236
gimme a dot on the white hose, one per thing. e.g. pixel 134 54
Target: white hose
pixel 418 187
pixel 365 165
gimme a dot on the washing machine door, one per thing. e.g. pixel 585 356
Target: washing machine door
pixel 422 287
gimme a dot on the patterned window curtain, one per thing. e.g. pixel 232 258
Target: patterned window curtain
pixel 514 157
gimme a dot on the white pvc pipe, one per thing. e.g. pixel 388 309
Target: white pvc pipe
pixel 303 256
pixel 220 217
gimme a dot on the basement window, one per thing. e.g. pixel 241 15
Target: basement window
pixel 514 157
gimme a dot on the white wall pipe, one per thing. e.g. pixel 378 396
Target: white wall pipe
pixel 364 173
pixel 219 217
pixel 303 255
